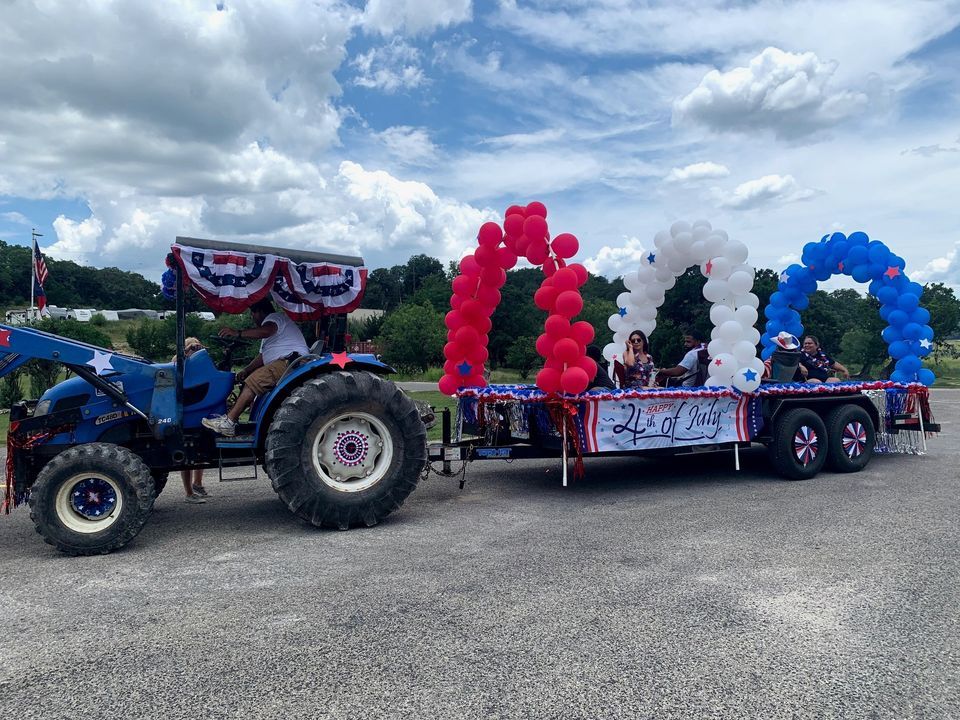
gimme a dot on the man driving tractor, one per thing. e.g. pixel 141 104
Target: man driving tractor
pixel 280 343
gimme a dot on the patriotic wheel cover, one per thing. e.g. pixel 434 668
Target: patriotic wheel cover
pixel 806 445
pixel 854 439
pixel 89 502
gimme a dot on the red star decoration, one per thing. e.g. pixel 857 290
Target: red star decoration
pixel 892 272
pixel 718 362
pixel 709 266
pixel 5 338
pixel 840 266
pixel 340 359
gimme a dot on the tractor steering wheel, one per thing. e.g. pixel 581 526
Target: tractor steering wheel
pixel 230 345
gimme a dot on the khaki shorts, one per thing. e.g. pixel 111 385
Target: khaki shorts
pixel 265 378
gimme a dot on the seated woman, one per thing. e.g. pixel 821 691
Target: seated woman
pixel 818 367
pixel 638 364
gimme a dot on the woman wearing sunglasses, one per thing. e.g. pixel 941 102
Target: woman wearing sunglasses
pixel 637 361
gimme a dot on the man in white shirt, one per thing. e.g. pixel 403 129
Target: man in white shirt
pixel 688 367
pixel 280 338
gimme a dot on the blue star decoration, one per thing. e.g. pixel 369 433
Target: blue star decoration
pixel 750 375
pixel 622 312
pixel 464 368
pixel 651 258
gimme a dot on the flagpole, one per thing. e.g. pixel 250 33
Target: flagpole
pixel 33 268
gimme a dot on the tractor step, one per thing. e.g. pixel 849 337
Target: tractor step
pixel 231 455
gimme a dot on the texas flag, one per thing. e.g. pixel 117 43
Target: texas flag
pixel 40 276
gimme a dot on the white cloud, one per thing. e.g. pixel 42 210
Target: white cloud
pixel 76 241
pixel 784 92
pixel 15 217
pixel 414 16
pixel 613 262
pixel 697 171
pixel 411 146
pixel 945 269
pixel 389 68
pixel 769 189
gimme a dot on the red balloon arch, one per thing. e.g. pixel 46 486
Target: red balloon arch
pixel 476 294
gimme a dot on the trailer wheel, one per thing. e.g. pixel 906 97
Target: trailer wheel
pixel 345 449
pixel 92 499
pixel 852 438
pixel 800 444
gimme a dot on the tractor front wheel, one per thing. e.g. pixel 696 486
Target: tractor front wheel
pixel 92 499
pixel 345 449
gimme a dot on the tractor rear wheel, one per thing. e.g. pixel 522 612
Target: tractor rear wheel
pixel 92 499
pixel 345 449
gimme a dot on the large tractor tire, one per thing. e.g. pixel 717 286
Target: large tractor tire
pixel 159 483
pixel 852 438
pixel 800 444
pixel 92 499
pixel 345 449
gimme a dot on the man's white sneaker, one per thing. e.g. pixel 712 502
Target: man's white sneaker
pixel 221 425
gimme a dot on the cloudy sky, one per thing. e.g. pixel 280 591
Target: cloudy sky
pixel 388 128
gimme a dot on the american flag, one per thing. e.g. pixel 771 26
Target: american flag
pixel 39 264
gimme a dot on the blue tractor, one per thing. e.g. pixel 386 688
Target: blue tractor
pixel 342 445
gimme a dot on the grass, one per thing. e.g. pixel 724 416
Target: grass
pixel 438 401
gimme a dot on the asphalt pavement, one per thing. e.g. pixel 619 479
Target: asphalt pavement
pixel 674 588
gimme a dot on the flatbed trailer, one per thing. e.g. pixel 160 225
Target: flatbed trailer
pixel 805 427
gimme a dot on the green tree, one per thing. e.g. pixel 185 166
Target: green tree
pixel 944 309
pixel 522 355
pixel 412 338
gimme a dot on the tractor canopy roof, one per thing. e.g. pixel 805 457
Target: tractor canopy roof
pixel 230 277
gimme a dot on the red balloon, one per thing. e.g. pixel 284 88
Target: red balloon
pixel 535 227
pixel 490 234
pixel 557 326
pixel 568 303
pixel 582 332
pixel 565 279
pixel 448 385
pixel 545 297
pixel 464 285
pixel 476 380
pixel 507 257
pixel 574 380
pixel 515 210
pixel 469 266
pixel 565 245
pixel 477 355
pixel 549 267
pixel 553 364
pixel 588 365
pixel 489 296
pixel 510 243
pixel 536 208
pixel 513 225
pixel 483 325
pixel 472 310
pixel 454 319
pixel 548 380
pixel 493 276
pixel 467 337
pixel 581 272
pixel 566 350
pixel 486 256
pixel 537 251
pixel 561 263
pixel 451 334
pixel 456 301
pixel 544 345
pixel 523 242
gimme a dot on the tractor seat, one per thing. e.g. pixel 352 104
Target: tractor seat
pixel 298 362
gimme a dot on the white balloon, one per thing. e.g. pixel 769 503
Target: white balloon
pixel 662 238
pixel 614 322
pixel 664 276
pixel 669 282
pixel 731 331
pixel 702 223
pixel 723 366
pixel 719 314
pixel 757 365
pixel 621 336
pixel 623 299
pixel 746 315
pixel 749 269
pixel 678 265
pixel 717 346
pixel 744 352
pixel 719 268
pixel 680 226
pixel 631 281
pixel 735 251
pixel 722 233
pixel 647 312
pixel 683 242
pixel 611 351
pixel 714 244
pixel 647 327
pixel 698 251
pixel 748 299
pixel 714 335
pixel 740 283
pixel 753 336
pixel 740 381
pixel 715 290
pixel 645 274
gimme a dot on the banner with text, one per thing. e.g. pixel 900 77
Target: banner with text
pixel 624 425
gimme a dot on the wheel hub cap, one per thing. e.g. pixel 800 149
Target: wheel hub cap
pixel 806 445
pixel 93 498
pixel 854 439
pixel 349 448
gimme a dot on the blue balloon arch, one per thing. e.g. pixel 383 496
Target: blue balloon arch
pixel 908 335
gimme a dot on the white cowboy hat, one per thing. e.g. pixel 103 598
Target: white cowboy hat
pixel 786 341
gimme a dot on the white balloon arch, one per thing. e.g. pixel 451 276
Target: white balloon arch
pixel 733 343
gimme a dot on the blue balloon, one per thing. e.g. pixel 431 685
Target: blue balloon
pixel 926 376
pixel 837 237
pixel 898 318
pixel 771 313
pixel 921 316
pixel 891 334
pixel 896 261
pixel 887 295
pixel 879 253
pixel 801 303
pixel 767 352
pixel 885 311
pixel 861 273
pixel 927 332
pixel 909 364
pixel 840 249
pixel 858 238
pixel 915 288
pixel 912 331
pixel 822 272
pixel 877 270
pixel 779 299
pixel 857 256
pixel 899 349
pixel 795 329
pixel 919 350
pixel 908 302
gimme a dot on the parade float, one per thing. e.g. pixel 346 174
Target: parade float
pixel 806 427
